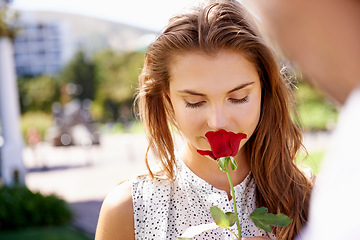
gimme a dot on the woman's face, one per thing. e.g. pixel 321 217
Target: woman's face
pixel 212 92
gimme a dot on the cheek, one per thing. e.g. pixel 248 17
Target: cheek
pixel 190 126
pixel 186 120
pixel 250 117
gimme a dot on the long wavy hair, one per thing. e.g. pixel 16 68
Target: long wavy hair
pixel 272 149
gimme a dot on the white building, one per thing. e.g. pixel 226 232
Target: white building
pixel 38 49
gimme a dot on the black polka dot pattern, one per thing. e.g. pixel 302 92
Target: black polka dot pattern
pixel 164 209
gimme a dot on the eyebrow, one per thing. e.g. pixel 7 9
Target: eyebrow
pixel 191 92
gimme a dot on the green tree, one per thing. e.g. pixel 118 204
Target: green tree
pixel 38 93
pixel 118 74
pixel 317 113
pixel 7 19
pixel 81 72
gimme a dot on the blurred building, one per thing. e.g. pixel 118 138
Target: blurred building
pixel 39 48
pixel 48 40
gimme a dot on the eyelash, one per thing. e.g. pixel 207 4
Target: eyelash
pixel 238 101
pixel 232 100
pixel 194 105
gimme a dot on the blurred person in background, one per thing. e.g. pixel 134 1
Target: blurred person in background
pixel 322 38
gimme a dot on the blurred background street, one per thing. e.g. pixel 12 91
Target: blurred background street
pixel 83 177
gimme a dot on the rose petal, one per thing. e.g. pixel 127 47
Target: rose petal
pixel 206 153
pixel 235 142
pixel 222 143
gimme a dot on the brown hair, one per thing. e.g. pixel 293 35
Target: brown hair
pixel 226 25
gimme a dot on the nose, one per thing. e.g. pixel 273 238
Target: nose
pixel 218 119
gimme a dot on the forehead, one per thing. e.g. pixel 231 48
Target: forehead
pixel 222 70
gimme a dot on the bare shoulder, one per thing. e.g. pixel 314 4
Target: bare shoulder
pixel 116 220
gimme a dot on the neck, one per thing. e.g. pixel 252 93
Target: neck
pixel 207 169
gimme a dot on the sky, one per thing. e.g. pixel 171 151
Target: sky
pixel 150 14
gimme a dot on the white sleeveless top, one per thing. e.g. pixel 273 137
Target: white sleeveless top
pixel 165 209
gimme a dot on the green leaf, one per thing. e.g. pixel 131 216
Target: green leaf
pixel 222 219
pixel 195 230
pixel 233 164
pixel 223 162
pixel 219 216
pixel 262 219
pixel 231 218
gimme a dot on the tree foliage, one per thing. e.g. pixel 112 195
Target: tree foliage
pixel 81 72
pixel 118 81
pixel 109 78
pixel 38 93
pixel 118 74
pixel 7 20
pixel 316 112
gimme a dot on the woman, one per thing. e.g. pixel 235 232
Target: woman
pixel 211 70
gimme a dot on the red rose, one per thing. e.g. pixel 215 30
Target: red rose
pixel 223 144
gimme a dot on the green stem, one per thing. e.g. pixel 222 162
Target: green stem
pixel 244 221
pixel 233 198
pixel 232 232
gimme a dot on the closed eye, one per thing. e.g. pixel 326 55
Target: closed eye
pixel 238 101
pixel 194 105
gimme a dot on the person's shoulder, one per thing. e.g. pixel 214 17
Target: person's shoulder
pixel 119 196
pixel 147 181
pixel 116 220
